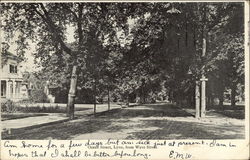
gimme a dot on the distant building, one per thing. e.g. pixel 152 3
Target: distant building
pixel 12 86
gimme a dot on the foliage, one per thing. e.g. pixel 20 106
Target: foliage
pixel 225 60
pixel 35 80
pixel 39 109
pixel 132 49
pixel 38 96
pixel 8 106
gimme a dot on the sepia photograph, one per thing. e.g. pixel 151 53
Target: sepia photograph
pixel 122 70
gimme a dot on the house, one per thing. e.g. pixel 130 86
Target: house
pixel 12 86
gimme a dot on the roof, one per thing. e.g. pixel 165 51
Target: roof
pixel 7 54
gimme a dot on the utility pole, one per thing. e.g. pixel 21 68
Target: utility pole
pixel 197 99
pixel 203 82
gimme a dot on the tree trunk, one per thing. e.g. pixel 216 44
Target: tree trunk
pixel 233 94
pixel 71 95
pixel 204 50
pixel 143 95
pixel 108 99
pixel 171 96
pixel 197 99
pixel 94 96
pixel 212 100
pixel 127 101
pixel 221 98
pixel 203 97
pixel 208 100
pixel 191 98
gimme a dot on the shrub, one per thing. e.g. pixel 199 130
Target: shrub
pixel 8 106
pixel 38 96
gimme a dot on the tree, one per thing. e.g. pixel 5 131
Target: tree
pixel 47 23
pixel 170 38
pixel 130 48
pixel 225 63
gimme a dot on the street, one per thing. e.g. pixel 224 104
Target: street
pixel 151 121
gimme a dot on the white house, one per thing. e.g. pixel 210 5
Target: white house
pixel 12 86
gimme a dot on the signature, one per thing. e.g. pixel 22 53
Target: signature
pixel 177 155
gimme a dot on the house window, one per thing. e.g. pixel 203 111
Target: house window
pixel 3 88
pixel 13 68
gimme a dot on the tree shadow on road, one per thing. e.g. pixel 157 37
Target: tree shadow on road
pixel 168 129
pixel 153 121
pixel 237 112
pixel 147 110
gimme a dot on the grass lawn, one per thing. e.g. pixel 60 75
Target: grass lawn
pixel 38 109
pixel 154 121
pixel 9 116
pixel 25 112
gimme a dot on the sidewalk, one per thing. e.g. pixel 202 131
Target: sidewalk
pixel 32 121
pixel 51 118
